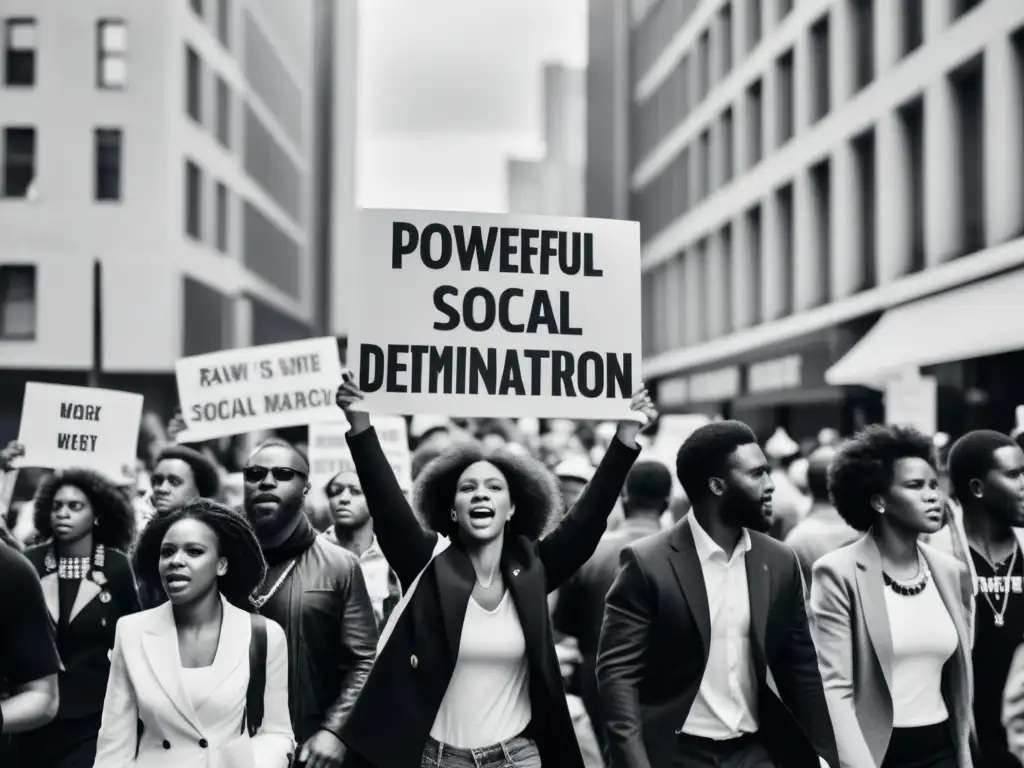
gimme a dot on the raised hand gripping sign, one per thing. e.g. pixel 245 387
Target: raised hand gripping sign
pixel 473 314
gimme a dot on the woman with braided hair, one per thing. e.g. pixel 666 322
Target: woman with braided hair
pixel 86 525
pixel 179 688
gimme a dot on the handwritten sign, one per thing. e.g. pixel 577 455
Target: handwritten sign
pixel 489 315
pixel 258 388
pixel 329 453
pixel 64 426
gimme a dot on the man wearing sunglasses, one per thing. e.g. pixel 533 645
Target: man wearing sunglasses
pixel 317 593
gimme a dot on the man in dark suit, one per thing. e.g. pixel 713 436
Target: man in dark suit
pixel 705 656
pixel 580 608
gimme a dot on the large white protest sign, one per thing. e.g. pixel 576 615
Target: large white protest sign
pixel 329 453
pixel 64 426
pixel 473 314
pixel 258 388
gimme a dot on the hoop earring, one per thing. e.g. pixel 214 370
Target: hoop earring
pixel 455 517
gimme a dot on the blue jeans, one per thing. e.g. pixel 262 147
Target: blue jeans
pixel 517 752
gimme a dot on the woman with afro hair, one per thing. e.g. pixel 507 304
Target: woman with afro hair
pixel 466 670
pixel 179 690
pixel 87 524
pixel 888 615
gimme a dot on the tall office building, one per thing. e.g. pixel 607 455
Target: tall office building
pixel 830 193
pixel 553 185
pixel 158 189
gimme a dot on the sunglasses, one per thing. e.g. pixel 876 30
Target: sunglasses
pixel 256 474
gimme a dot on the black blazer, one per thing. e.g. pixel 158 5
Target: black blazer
pixel 391 721
pixel 84 642
pixel 655 642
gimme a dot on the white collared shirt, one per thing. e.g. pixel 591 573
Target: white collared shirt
pixel 726 704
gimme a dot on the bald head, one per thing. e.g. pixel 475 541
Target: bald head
pixel 818 464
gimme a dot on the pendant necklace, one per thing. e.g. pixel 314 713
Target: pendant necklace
pixel 999 617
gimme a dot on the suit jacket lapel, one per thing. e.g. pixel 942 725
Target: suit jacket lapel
pixel 51 594
pixel 455 580
pixel 88 590
pixel 233 648
pixel 686 565
pixel 871 590
pixel 758 590
pixel 160 645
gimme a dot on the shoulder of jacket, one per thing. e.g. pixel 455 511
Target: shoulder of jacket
pixel 336 555
pixel 650 546
pixel 839 562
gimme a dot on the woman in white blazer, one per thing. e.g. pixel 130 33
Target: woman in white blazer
pixel 179 673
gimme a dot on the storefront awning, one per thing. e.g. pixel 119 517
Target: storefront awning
pixel 977 320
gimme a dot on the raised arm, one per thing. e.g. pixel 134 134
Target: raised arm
pixel 832 632
pixel 628 613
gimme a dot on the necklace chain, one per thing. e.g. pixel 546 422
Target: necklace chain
pixel 259 602
pixel 490 581
pixel 999 617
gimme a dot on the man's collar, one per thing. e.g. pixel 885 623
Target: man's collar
pixel 707 547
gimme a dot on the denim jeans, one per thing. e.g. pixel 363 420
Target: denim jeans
pixel 517 752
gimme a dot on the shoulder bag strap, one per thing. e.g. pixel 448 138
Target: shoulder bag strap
pixel 254 694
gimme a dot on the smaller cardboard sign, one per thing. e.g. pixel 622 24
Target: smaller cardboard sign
pixel 329 453
pixel 258 388
pixel 64 426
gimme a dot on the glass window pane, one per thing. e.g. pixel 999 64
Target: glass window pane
pixel 114 38
pixel 18 319
pixel 21 35
pixel 113 72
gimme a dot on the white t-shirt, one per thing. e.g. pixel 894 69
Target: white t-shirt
pixel 488 698
pixel 923 639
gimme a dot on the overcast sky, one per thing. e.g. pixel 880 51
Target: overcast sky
pixel 448 89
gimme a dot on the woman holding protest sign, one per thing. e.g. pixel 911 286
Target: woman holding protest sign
pixel 88 585
pixel 466 667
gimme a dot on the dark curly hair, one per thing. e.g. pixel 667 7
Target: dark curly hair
pixel 114 513
pixel 704 453
pixel 863 468
pixel 236 541
pixel 532 489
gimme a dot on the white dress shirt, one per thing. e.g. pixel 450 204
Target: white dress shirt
pixel 726 704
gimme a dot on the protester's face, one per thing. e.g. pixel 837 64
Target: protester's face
pixel 190 561
pixel 1003 487
pixel 275 483
pixel 571 489
pixel 747 499
pixel 914 501
pixel 348 505
pixel 71 515
pixel 174 485
pixel 482 502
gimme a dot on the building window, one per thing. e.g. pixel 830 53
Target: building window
pixel 111 54
pixel 20 52
pixel 703 66
pixel 19 161
pixel 223 219
pixel 785 6
pixel 197 7
pixel 223 113
pixel 755 127
pixel 193 85
pixel 865 179
pixel 913 24
pixel 193 201
pixel 753 24
pixel 864 42
pixel 17 302
pixel 727 149
pixel 725 36
pixel 786 102
pixel 224 23
pixel 820 69
pixel 968 84
pixel 108 164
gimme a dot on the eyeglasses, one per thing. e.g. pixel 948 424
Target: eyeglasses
pixel 256 474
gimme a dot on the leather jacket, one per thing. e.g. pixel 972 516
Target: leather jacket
pixel 328 619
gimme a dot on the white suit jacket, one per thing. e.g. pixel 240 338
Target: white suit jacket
pixel 145 684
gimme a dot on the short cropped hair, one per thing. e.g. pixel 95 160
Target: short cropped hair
pixel 863 468
pixel 113 512
pixel 648 483
pixel 532 489
pixel 971 458
pixel 704 453
pixel 236 540
pixel 818 464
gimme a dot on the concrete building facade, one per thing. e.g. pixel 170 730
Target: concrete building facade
pixel 803 170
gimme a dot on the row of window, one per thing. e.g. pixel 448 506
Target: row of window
pixel 222 22
pixel 194 97
pixel 20 149
pixel 21 42
pixel 194 208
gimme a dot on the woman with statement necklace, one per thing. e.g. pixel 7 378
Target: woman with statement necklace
pixel 888 614
pixel 179 692
pixel 88 585
pixel 466 670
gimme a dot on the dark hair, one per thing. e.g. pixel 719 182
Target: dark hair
pixel 971 458
pixel 423 456
pixel 114 514
pixel 863 467
pixel 648 484
pixel 531 487
pixel 818 464
pixel 236 541
pixel 203 470
pixel 704 453
pixel 277 442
